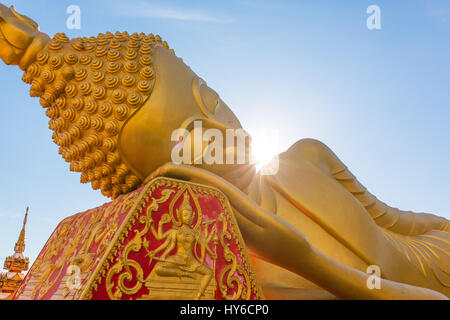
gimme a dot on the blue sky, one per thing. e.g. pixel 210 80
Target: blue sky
pixel 379 99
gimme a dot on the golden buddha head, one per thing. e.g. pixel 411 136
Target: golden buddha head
pixel 113 100
pixel 179 97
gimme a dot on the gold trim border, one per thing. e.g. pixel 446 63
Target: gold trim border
pixel 130 219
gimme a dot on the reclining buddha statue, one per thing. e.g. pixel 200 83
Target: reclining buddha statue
pixel 311 229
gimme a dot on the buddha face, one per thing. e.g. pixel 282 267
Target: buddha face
pixel 187 216
pixel 179 97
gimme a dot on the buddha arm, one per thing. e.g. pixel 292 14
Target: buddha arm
pixel 272 239
pixel 160 235
pixel 167 246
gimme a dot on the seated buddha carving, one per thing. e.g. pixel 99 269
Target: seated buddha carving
pixel 182 239
pixel 114 101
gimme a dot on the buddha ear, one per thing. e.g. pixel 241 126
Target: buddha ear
pixel 205 97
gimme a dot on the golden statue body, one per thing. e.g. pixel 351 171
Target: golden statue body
pixel 114 101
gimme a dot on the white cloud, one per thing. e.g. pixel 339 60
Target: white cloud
pixel 443 14
pixel 157 10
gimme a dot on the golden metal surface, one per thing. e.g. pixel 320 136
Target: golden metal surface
pixel 162 287
pixel 79 241
pixel 114 101
pixel 15 265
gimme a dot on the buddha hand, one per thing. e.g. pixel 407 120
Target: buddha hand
pixel 16 34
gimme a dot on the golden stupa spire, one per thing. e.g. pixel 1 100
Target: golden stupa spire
pixel 15 264
pixel 20 244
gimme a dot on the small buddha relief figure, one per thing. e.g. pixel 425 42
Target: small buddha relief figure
pixel 179 260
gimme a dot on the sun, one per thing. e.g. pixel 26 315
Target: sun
pixel 265 147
